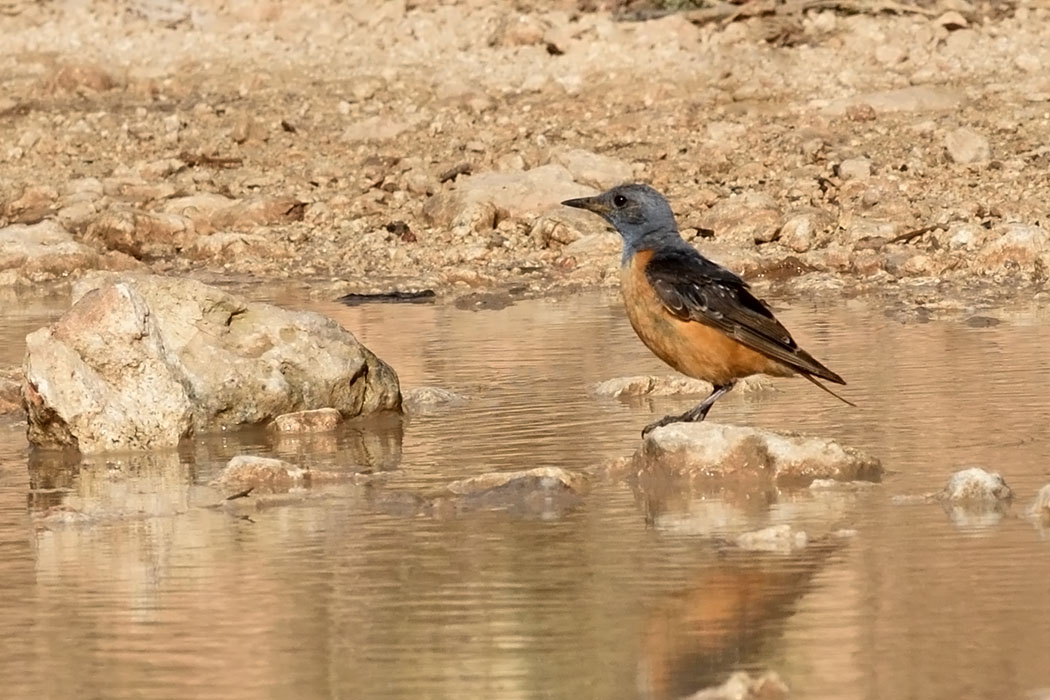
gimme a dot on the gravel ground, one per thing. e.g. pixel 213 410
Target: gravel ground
pixel 361 146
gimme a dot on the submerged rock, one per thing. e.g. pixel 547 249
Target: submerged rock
pixel 974 498
pixel 1040 509
pixel 318 420
pixel 743 686
pixel 543 490
pixel 710 451
pixel 778 538
pixel 141 361
pixel 427 399
pixel 975 486
pixel 264 475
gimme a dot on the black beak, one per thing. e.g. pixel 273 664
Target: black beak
pixel 594 204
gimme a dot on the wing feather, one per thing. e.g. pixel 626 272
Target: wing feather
pixel 694 288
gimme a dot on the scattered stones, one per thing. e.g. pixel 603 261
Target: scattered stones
pixel 141 361
pixel 712 452
pixel 976 487
pixel 777 538
pixel 743 686
pixel 498 121
pixel 965 145
pixel 318 420
pixel 425 400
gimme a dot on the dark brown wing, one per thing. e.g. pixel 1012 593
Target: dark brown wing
pixel 695 289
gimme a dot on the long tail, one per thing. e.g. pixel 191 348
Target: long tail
pixel 812 379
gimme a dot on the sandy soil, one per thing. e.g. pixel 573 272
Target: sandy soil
pixel 348 145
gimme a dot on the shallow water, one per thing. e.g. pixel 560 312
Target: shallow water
pixel 623 595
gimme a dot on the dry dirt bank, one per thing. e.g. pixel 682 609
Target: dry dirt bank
pixel 357 146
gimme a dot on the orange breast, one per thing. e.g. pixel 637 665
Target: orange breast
pixel 692 348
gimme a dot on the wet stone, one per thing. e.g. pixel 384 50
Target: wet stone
pixel 141 361
pixel 429 399
pixel 315 421
pixel 713 452
pixel 674 385
pixel 10 390
pixel 263 475
pixel 1040 508
pixel 976 486
pixel 743 686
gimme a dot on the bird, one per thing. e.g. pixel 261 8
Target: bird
pixel 700 318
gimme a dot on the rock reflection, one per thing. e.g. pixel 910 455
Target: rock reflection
pixel 65 488
pixel 727 617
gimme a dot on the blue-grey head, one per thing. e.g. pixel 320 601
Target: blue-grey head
pixel 638 212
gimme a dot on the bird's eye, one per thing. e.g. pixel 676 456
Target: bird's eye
pixel 619 200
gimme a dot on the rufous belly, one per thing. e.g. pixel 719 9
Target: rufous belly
pixel 691 347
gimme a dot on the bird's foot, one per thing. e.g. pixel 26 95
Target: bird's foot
pixel 691 416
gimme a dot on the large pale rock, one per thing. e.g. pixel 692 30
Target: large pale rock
pixel 141 234
pixel 744 219
pixel 710 451
pixel 593 169
pixel 141 361
pixel 211 212
pixel 915 98
pixel 965 145
pixel 1014 248
pixel 41 252
pixel 491 197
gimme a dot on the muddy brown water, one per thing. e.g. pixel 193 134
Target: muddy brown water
pixel 621 595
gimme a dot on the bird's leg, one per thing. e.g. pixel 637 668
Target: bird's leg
pixel 693 415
